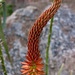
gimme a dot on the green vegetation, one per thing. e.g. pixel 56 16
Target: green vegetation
pixel 48 44
pixel 3 12
pixel 9 8
pixel 4 42
pixel 2 61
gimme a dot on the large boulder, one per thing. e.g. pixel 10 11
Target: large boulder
pixel 16 32
pixel 62 45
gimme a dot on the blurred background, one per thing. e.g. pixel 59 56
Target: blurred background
pixel 21 15
pixel 15 4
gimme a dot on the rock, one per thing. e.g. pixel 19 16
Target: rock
pixel 29 11
pixel 21 14
pixel 68 59
pixel 16 32
pixel 62 41
pixel 19 24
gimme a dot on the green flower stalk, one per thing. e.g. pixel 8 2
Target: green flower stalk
pixel 47 52
pixel 49 37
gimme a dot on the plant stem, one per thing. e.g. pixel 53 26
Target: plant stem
pixel 2 61
pixel 4 14
pixel 60 69
pixel 4 42
pixel 48 44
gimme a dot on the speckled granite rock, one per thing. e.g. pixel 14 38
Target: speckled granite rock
pixel 16 32
pixel 62 40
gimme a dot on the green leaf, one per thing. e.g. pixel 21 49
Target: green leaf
pixel 2 61
pixel 4 14
pixel 4 42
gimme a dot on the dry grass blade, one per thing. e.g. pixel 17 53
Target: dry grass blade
pixel 71 72
pixel 60 69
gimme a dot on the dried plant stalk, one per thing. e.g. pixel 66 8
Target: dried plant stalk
pixel 60 69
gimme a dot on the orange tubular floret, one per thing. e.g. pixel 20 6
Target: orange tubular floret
pixel 25 67
pixel 33 63
pixel 24 63
pixel 28 58
pixel 24 72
